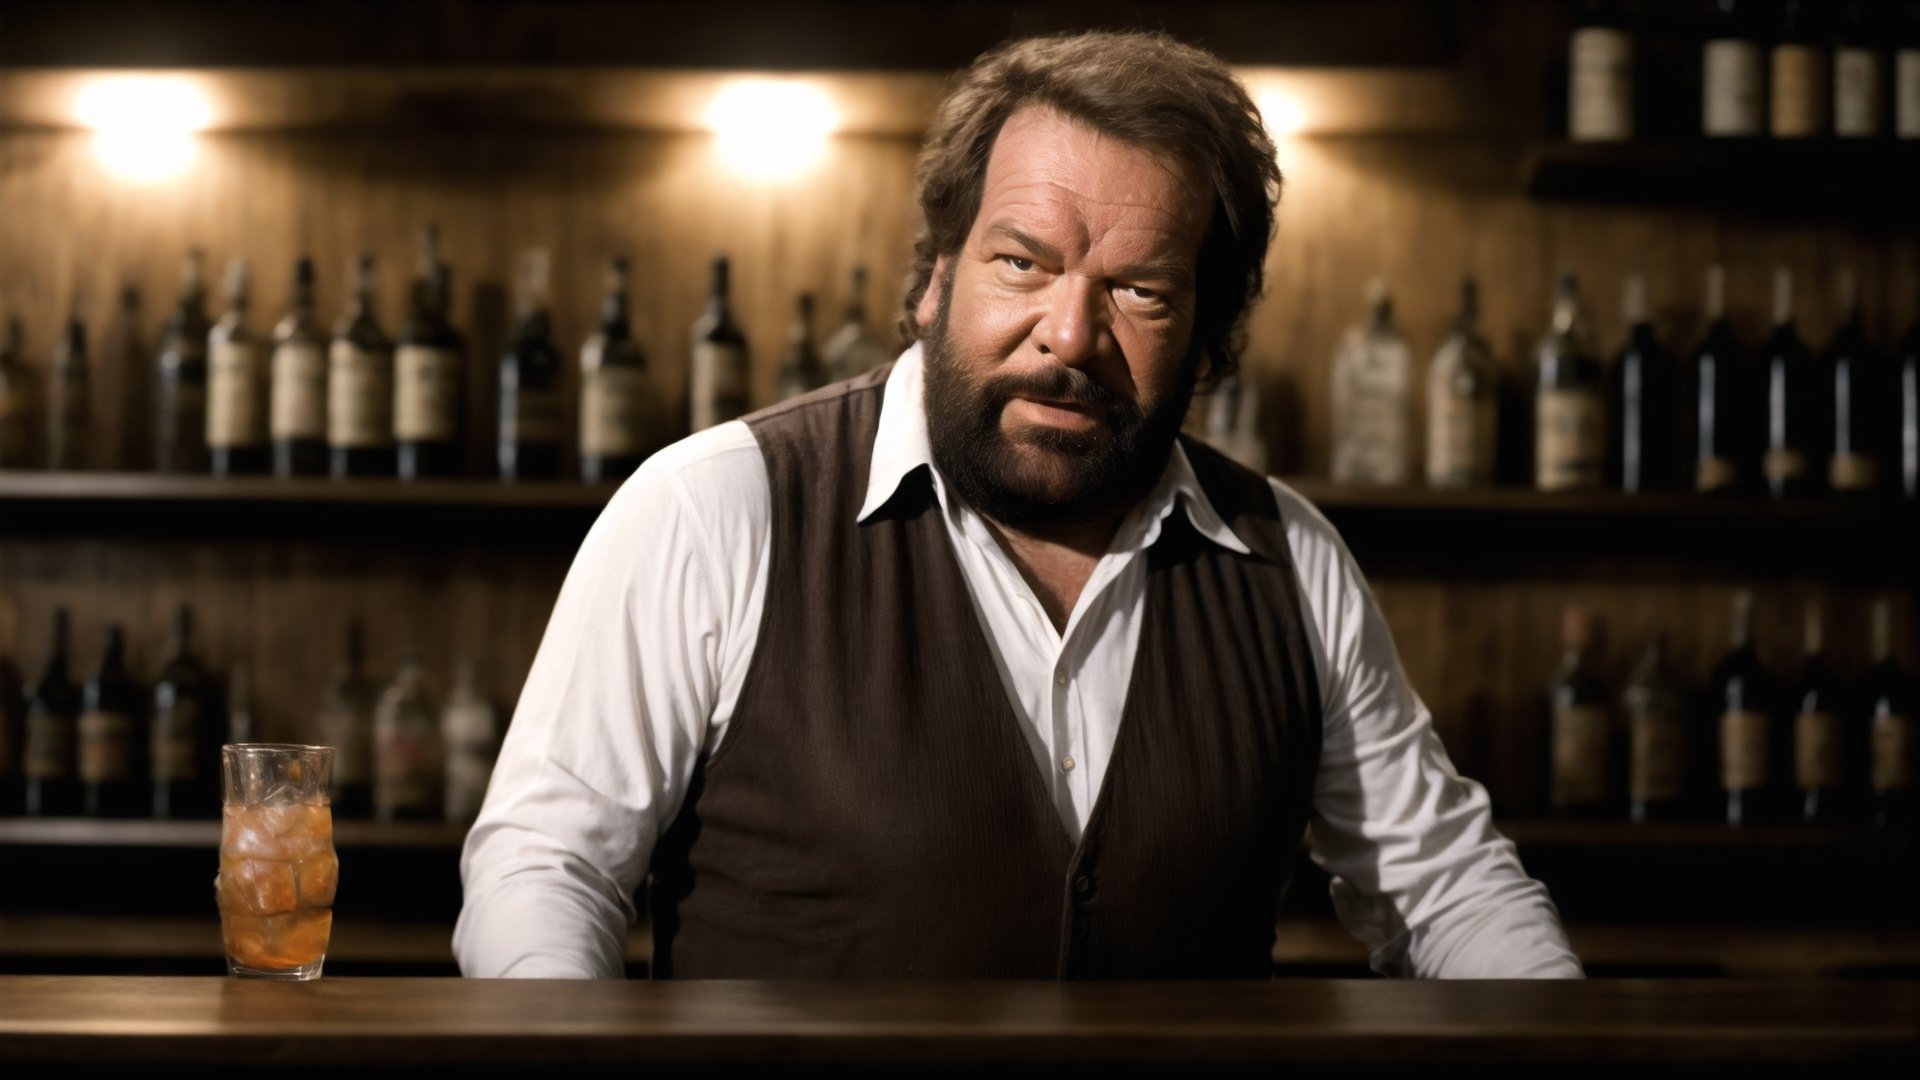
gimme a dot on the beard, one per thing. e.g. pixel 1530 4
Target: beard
pixel 1042 478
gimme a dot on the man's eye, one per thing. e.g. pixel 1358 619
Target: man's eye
pixel 1018 263
pixel 1144 293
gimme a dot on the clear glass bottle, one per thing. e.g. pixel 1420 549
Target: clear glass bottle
pixel 1463 391
pixel 852 349
pixel 1570 430
pixel 180 397
pixel 1233 422
pixel 470 731
pixel 409 764
pixel 1372 375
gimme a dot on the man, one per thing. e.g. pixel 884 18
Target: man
pixel 973 668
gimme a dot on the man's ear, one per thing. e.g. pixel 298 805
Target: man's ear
pixel 929 305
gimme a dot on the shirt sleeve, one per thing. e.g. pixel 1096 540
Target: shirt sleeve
pixel 1419 873
pixel 627 692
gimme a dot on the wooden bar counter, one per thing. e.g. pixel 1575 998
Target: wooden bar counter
pixel 351 1021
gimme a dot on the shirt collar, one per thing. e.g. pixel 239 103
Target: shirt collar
pixel 901 445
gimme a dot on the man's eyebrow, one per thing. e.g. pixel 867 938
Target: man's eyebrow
pixel 1007 232
pixel 1178 274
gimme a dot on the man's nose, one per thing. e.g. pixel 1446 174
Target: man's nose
pixel 1073 326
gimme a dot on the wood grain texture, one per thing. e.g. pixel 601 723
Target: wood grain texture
pixel 339 1021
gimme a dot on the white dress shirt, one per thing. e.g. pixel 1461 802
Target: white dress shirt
pixel 656 625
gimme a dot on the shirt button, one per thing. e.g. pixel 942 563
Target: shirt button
pixel 1061 677
pixel 1066 764
pixel 1083 885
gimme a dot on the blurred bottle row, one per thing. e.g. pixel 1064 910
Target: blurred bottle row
pixel 1780 419
pixel 1751 747
pixel 231 400
pixel 113 746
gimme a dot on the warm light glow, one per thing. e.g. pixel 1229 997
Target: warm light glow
pixel 143 125
pixel 1283 114
pixel 768 128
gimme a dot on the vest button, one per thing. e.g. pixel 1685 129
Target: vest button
pixel 1083 885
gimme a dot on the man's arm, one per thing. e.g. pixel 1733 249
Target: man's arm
pixel 618 710
pixel 1420 875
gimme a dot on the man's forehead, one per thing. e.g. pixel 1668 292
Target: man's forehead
pixel 1042 153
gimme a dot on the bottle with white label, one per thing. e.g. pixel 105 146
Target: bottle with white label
pixel 1660 757
pixel 360 386
pixel 1600 97
pixel 614 390
pixel 427 376
pixel 852 349
pixel 110 752
pixel 720 361
pixel 236 387
pixel 1462 401
pixel 1733 74
pixel 1372 398
pixel 1820 768
pixel 801 369
pixel 1752 739
pixel 1859 75
pixel 470 731
pixel 1570 429
pixel 1906 77
pixel 17 408
pixel 1892 710
pixel 1585 770
pixel 297 409
pixel 1798 76
pixel 1799 404
pixel 1233 422
pixel 180 394
pixel 527 445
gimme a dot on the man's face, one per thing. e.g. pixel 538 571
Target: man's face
pixel 1058 337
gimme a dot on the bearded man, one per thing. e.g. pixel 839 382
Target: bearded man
pixel 974 666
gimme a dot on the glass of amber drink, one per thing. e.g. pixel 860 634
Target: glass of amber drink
pixel 277 864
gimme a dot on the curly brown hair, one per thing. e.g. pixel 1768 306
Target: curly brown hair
pixel 1143 88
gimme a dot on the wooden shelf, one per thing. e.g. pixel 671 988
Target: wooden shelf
pixel 132 833
pixel 1871 182
pixel 1499 531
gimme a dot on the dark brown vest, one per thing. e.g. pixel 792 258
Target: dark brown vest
pixel 874 810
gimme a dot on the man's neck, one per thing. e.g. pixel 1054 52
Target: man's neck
pixel 1056 563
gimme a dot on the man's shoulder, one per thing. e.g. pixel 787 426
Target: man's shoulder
pixel 714 481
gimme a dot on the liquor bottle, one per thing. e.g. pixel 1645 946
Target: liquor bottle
pixel 1859 402
pixel 299 394
pixel 1372 384
pixel 184 746
pixel 720 362
pixel 409 765
pixel 1819 739
pixel 614 392
pixel 1798 76
pixel 427 383
pixel 528 446
pixel 1233 422
pixel 237 441
pixel 1570 429
pixel 1600 95
pixel 16 398
pixel 125 350
pixel 1725 405
pixel 345 723
pixel 801 369
pixel 1799 410
pixel 12 737
pixel 1643 406
pixel 1907 375
pixel 180 398
pixel 1584 767
pixel 852 349
pixel 242 724
pixel 1752 742
pixel 52 709
pixel 110 756
pixel 360 386
pixel 469 730
pixel 1734 72
pixel 1906 77
pixel 1660 758
pixel 1888 694
pixel 1463 392
pixel 1859 75
pixel 69 401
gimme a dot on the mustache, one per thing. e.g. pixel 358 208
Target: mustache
pixel 1056 383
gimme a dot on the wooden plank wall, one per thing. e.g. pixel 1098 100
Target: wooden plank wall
pixel 1420 211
